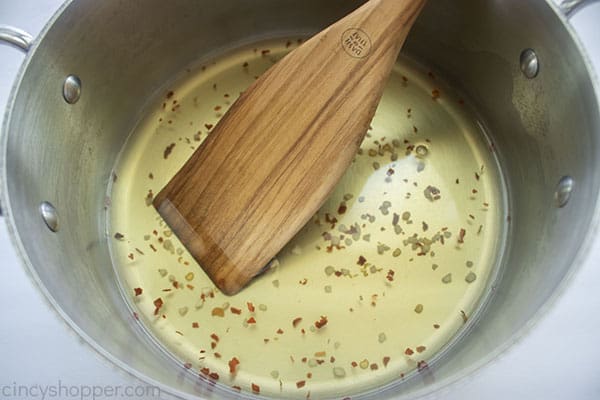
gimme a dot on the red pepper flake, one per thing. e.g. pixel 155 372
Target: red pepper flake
pixel 435 94
pixel 436 326
pixel 130 256
pixel 421 349
pixel 476 176
pixel 213 345
pixel 474 191
pixel 255 388
pixel 361 260
pixel 300 384
pixel 409 351
pixel 390 275
pixel 168 150
pixel 119 236
pixel 251 320
pixel 390 172
pixel 280 331
pixel 250 307
pixel 296 321
pixel 415 129
pixel 187 365
pixel 354 364
pixel 236 310
pixel 342 208
pixel 218 312
pixel 233 364
pixel 217 355
pixel 237 388
pixel 374 367
pixel 265 52
pixel 461 236
pixel 170 94
pixel 386 361
pixel 214 337
pixel 331 220
pixel 218 108
pixel 214 375
pixel 321 322
pixel 158 303
pixel 153 248
pixel 422 365
pixel 431 75
pixel 332 359
pixel 138 291
pixel 404 79
pixel 309 375
pixel 195 325
pixel 205 371
pixel 303 281
pixel 208 126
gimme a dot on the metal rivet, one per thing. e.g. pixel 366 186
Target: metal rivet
pixel 564 190
pixel 72 89
pixel 530 65
pixel 49 215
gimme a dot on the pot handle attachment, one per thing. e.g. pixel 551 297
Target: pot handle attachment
pixel 570 7
pixel 15 37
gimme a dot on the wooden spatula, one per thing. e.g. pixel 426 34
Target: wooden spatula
pixel 275 156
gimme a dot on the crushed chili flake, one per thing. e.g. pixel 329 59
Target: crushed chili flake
pixel 354 364
pixel 421 349
pixel 214 375
pixel 168 150
pixel 214 337
pixel 321 322
pixel 409 351
pixel 435 94
pixel 233 364
pixel 255 388
pixel 205 371
pixel 265 52
pixel 461 235
pixel 187 365
pixel 218 312
pixel 236 310
pixel 386 361
pixel 296 321
pixel 374 367
pixel 342 208
pixel 138 291
pixel 195 325
pixel 250 307
pixel 158 303
pixel 422 365
pixel 251 320
pixel 300 384
pixel 119 236
pixel 237 388
pixel 170 94
pixel 130 256
pixel 361 260
pixel 280 331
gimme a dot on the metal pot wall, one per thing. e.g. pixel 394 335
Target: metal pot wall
pixel 61 137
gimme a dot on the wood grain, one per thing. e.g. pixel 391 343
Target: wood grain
pixel 275 156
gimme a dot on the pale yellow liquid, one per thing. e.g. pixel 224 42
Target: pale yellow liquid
pixel 381 326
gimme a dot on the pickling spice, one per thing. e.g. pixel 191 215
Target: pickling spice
pixel 407 239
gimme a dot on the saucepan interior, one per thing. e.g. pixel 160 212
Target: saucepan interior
pixel 544 130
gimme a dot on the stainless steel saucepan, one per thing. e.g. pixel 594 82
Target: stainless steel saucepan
pixel 85 80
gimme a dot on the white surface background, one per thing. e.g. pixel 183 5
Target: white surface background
pixel 559 359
